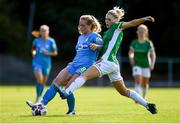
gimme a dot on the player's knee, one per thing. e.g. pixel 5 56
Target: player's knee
pixel 40 81
pixel 85 76
pixel 124 93
pixel 88 76
pixel 56 81
pixel 59 81
pixel 44 82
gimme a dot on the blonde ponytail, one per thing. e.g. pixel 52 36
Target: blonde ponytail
pixel 116 12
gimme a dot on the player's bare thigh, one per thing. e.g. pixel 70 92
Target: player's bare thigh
pixel 138 79
pixel 39 76
pixel 71 80
pixel 145 81
pixel 91 73
pixel 63 77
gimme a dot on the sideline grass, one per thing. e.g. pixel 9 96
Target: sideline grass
pixel 93 105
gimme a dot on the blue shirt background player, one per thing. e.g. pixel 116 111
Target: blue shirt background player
pixel 43 47
pixel 41 61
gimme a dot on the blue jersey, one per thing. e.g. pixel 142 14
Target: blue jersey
pixel 84 55
pixel 40 46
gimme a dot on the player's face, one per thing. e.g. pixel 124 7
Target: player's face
pixel 84 27
pixel 141 31
pixel 109 19
pixel 44 32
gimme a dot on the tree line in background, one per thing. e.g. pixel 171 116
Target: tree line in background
pixel 63 16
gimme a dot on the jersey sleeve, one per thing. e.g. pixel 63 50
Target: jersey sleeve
pixel 120 25
pixel 117 25
pixel 98 39
pixel 151 46
pixel 132 45
pixel 54 47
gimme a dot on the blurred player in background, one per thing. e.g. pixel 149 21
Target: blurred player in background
pixel 43 48
pixel 87 50
pixel 108 64
pixel 142 58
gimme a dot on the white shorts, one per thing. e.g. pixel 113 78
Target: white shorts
pixel 110 68
pixel 145 72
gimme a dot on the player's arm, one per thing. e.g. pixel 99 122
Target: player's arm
pixel 54 53
pixel 131 56
pixel 33 51
pixel 33 48
pixel 98 43
pixel 94 46
pixel 54 48
pixel 153 59
pixel 136 22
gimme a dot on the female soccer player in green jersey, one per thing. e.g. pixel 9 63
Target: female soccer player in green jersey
pixel 142 58
pixel 108 64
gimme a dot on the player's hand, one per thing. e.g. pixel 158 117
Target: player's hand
pixel 45 52
pixel 149 18
pixel 131 60
pixel 69 63
pixel 33 53
pixel 93 46
pixel 152 67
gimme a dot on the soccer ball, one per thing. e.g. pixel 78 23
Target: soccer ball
pixel 39 110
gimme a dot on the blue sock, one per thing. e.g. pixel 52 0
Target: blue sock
pixel 50 94
pixel 71 102
pixel 39 89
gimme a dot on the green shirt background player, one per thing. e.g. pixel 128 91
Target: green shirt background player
pixel 142 58
pixel 108 64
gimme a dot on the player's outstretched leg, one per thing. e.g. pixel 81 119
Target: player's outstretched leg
pixel 152 108
pixel 39 91
pixel 121 88
pixel 48 96
pixel 50 93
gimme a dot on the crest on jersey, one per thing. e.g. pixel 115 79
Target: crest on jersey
pixel 47 46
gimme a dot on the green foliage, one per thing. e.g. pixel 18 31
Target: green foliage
pixel 12 33
pixel 63 16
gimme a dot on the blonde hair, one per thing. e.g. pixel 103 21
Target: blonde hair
pixel 116 12
pixel 146 29
pixel 46 27
pixel 91 20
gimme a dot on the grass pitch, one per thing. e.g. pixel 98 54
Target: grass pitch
pixel 93 105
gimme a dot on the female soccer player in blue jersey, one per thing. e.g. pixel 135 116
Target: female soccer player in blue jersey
pixel 87 50
pixel 43 48
pixel 108 64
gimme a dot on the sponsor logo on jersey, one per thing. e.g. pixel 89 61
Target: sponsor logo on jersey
pixel 82 46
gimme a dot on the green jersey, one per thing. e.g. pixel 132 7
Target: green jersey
pixel 141 52
pixel 112 39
